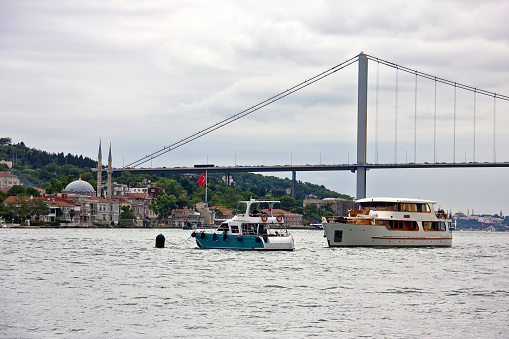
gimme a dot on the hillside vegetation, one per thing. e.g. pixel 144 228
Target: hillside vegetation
pixel 51 171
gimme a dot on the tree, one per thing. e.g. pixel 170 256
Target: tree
pixel 171 187
pixel 311 212
pixel 16 190
pixel 163 205
pixel 287 203
pixel 187 185
pixel 5 141
pixel 55 186
pixel 52 168
pixel 18 208
pixel 38 207
pixel 127 213
pixel 32 191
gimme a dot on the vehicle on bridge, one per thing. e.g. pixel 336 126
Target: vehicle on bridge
pixel 255 229
pixel 389 222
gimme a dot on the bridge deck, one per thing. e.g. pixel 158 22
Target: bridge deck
pixel 304 168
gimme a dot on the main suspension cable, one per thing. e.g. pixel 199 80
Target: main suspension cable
pixel 244 112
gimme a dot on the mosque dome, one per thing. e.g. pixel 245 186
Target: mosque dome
pixel 80 187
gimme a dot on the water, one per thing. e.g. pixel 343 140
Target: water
pixel 113 283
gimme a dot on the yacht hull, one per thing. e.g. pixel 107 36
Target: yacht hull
pixel 244 242
pixel 354 235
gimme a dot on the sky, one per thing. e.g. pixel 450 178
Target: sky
pixel 142 75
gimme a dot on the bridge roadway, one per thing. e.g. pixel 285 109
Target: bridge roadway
pixel 302 168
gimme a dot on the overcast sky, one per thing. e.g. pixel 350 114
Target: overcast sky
pixel 145 74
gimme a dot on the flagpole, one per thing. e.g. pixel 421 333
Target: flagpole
pixel 206 186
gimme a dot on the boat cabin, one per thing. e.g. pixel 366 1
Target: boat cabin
pixel 400 215
pixel 366 206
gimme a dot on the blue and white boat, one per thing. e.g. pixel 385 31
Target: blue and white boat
pixel 255 229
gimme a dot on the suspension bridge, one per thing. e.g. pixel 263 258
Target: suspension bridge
pixel 361 165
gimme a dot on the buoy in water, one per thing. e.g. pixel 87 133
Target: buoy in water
pixel 160 241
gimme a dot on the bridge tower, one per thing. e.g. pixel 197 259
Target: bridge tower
pixel 362 117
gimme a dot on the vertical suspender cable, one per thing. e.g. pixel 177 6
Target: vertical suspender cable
pixel 376 111
pixel 396 122
pixel 494 125
pixel 415 120
pixel 454 128
pixel 435 126
pixel 475 94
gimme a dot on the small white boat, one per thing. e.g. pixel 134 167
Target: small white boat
pixel 390 222
pixel 315 226
pixel 254 229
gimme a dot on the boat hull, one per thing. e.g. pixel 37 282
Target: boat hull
pixel 355 235
pixel 244 242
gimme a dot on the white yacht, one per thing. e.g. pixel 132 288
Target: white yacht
pixel 254 229
pixel 390 222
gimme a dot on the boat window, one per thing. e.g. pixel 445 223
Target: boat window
pixel 404 225
pixel 241 207
pixel 261 229
pixel 377 206
pixel 249 229
pixel 235 229
pixel 434 226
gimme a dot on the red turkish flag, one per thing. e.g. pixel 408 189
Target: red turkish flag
pixel 202 180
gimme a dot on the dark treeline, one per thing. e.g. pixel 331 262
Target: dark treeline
pixel 32 158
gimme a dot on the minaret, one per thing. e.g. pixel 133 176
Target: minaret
pixel 99 170
pixel 110 172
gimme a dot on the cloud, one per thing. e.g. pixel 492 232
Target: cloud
pixel 146 74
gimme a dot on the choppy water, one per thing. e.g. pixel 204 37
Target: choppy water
pixel 106 283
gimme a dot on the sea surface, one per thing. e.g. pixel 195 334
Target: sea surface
pixel 114 283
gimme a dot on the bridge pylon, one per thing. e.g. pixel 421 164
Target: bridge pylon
pixel 362 125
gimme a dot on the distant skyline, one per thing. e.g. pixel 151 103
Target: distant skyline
pixel 143 75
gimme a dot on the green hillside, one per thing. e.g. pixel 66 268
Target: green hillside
pixel 53 171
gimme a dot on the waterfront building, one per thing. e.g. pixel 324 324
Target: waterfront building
pixel 141 204
pixel 147 187
pixel 294 220
pixel 223 213
pixel 209 213
pixel 70 210
pixel 118 190
pixel 182 216
pixel 7 180
pixel 106 210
